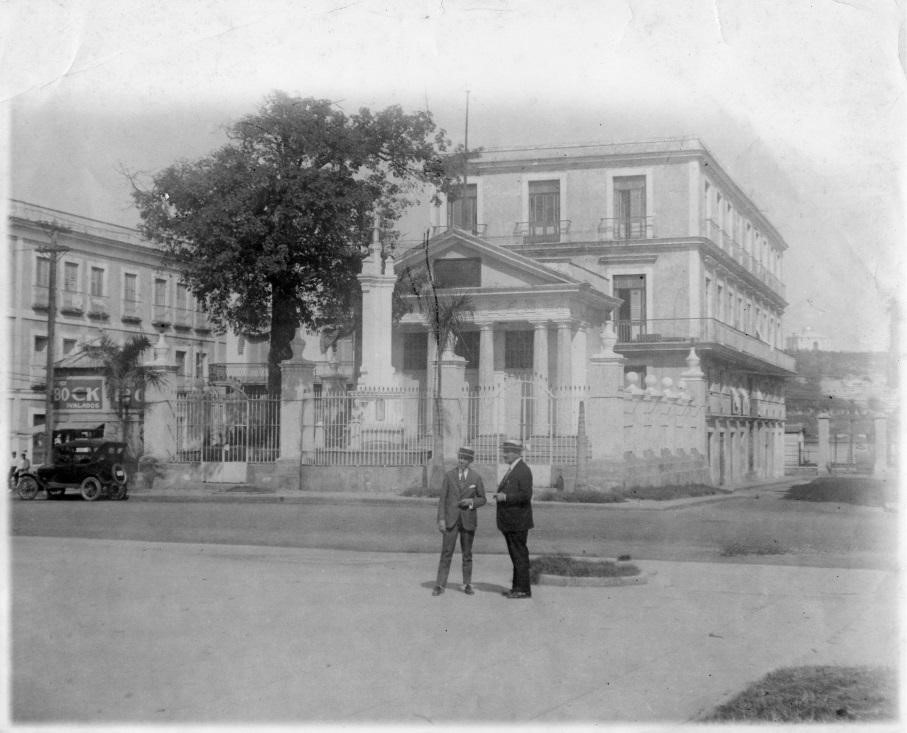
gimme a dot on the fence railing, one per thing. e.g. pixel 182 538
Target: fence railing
pixel 224 428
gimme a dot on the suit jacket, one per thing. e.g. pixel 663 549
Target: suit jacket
pixel 453 490
pixel 515 514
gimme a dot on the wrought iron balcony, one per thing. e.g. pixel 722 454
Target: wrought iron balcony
pixel 626 228
pixel 161 315
pixel 183 317
pixel 132 311
pixel 729 244
pixel 99 306
pixel 40 296
pixel 701 330
pixel 531 232
pixel 72 302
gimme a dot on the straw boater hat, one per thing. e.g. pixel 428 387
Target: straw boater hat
pixel 467 453
pixel 514 446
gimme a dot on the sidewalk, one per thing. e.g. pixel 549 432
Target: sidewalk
pixel 246 492
pixel 170 633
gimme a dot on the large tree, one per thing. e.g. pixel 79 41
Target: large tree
pixel 269 231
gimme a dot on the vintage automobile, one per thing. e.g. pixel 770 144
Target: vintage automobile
pixel 94 466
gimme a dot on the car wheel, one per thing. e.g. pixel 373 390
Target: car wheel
pixel 55 493
pixel 91 489
pixel 117 491
pixel 27 488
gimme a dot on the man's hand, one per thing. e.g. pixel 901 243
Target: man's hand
pixel 442 525
pixel 465 504
pixel 500 496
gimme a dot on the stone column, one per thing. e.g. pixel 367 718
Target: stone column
pixel 454 403
pixel 824 459
pixel 377 283
pixel 297 408
pixel 604 414
pixel 160 439
pixel 542 381
pixel 564 377
pixel 880 445
pixel 694 380
pixel 486 378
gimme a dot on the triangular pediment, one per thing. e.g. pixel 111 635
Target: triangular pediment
pixel 500 266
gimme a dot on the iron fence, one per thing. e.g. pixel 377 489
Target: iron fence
pixel 221 428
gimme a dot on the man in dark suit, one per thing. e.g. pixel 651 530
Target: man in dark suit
pixel 514 514
pixel 461 494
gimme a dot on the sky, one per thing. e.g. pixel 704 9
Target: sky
pixel 802 103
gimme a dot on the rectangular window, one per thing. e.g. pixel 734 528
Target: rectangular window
pixel 69 346
pixel 544 211
pixel 463 272
pixel 40 344
pixel 415 352
pixel 160 292
pixel 201 365
pixel 130 287
pixel 97 281
pixel 180 363
pixel 462 209
pixel 630 207
pixel 71 277
pixel 42 272
pixel 468 348
pixel 518 349
pixel 631 317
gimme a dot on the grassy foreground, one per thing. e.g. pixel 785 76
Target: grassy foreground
pixel 858 490
pixel 815 694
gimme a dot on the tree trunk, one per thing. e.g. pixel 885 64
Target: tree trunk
pixel 283 328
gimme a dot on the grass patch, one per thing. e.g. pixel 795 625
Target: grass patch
pixel 815 694
pixel 861 490
pixel 651 493
pixel 761 547
pixel 571 567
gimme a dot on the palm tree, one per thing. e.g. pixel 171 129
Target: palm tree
pixel 446 314
pixel 124 375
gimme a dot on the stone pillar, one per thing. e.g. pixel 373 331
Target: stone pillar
pixel 377 285
pixel 604 414
pixel 824 459
pixel 542 381
pixel 564 420
pixel 695 383
pixel 454 403
pixel 297 407
pixel 486 378
pixel 880 445
pixel 160 406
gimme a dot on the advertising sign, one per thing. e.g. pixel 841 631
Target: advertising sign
pixel 78 393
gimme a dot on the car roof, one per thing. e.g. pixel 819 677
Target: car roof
pixel 91 442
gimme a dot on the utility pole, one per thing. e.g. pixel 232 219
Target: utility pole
pixel 53 250
pixel 466 164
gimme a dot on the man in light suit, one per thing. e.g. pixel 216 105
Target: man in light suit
pixel 461 494
pixel 514 515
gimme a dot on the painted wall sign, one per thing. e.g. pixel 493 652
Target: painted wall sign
pixel 74 393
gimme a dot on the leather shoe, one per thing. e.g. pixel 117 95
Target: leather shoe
pixel 468 590
pixel 517 594
pixel 437 591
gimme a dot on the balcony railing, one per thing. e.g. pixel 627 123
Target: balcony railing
pixel 727 243
pixel 201 321
pixel 701 330
pixel 132 310
pixel 735 403
pixel 479 230
pixel 37 374
pixel 542 233
pixel 40 296
pixel 99 306
pixel 72 302
pixel 183 317
pixel 162 314
pixel 251 373
pixel 633 227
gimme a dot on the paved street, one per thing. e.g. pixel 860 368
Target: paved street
pixel 112 631
pixel 222 609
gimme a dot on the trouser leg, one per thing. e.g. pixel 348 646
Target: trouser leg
pixel 466 538
pixel 519 556
pixel 448 543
